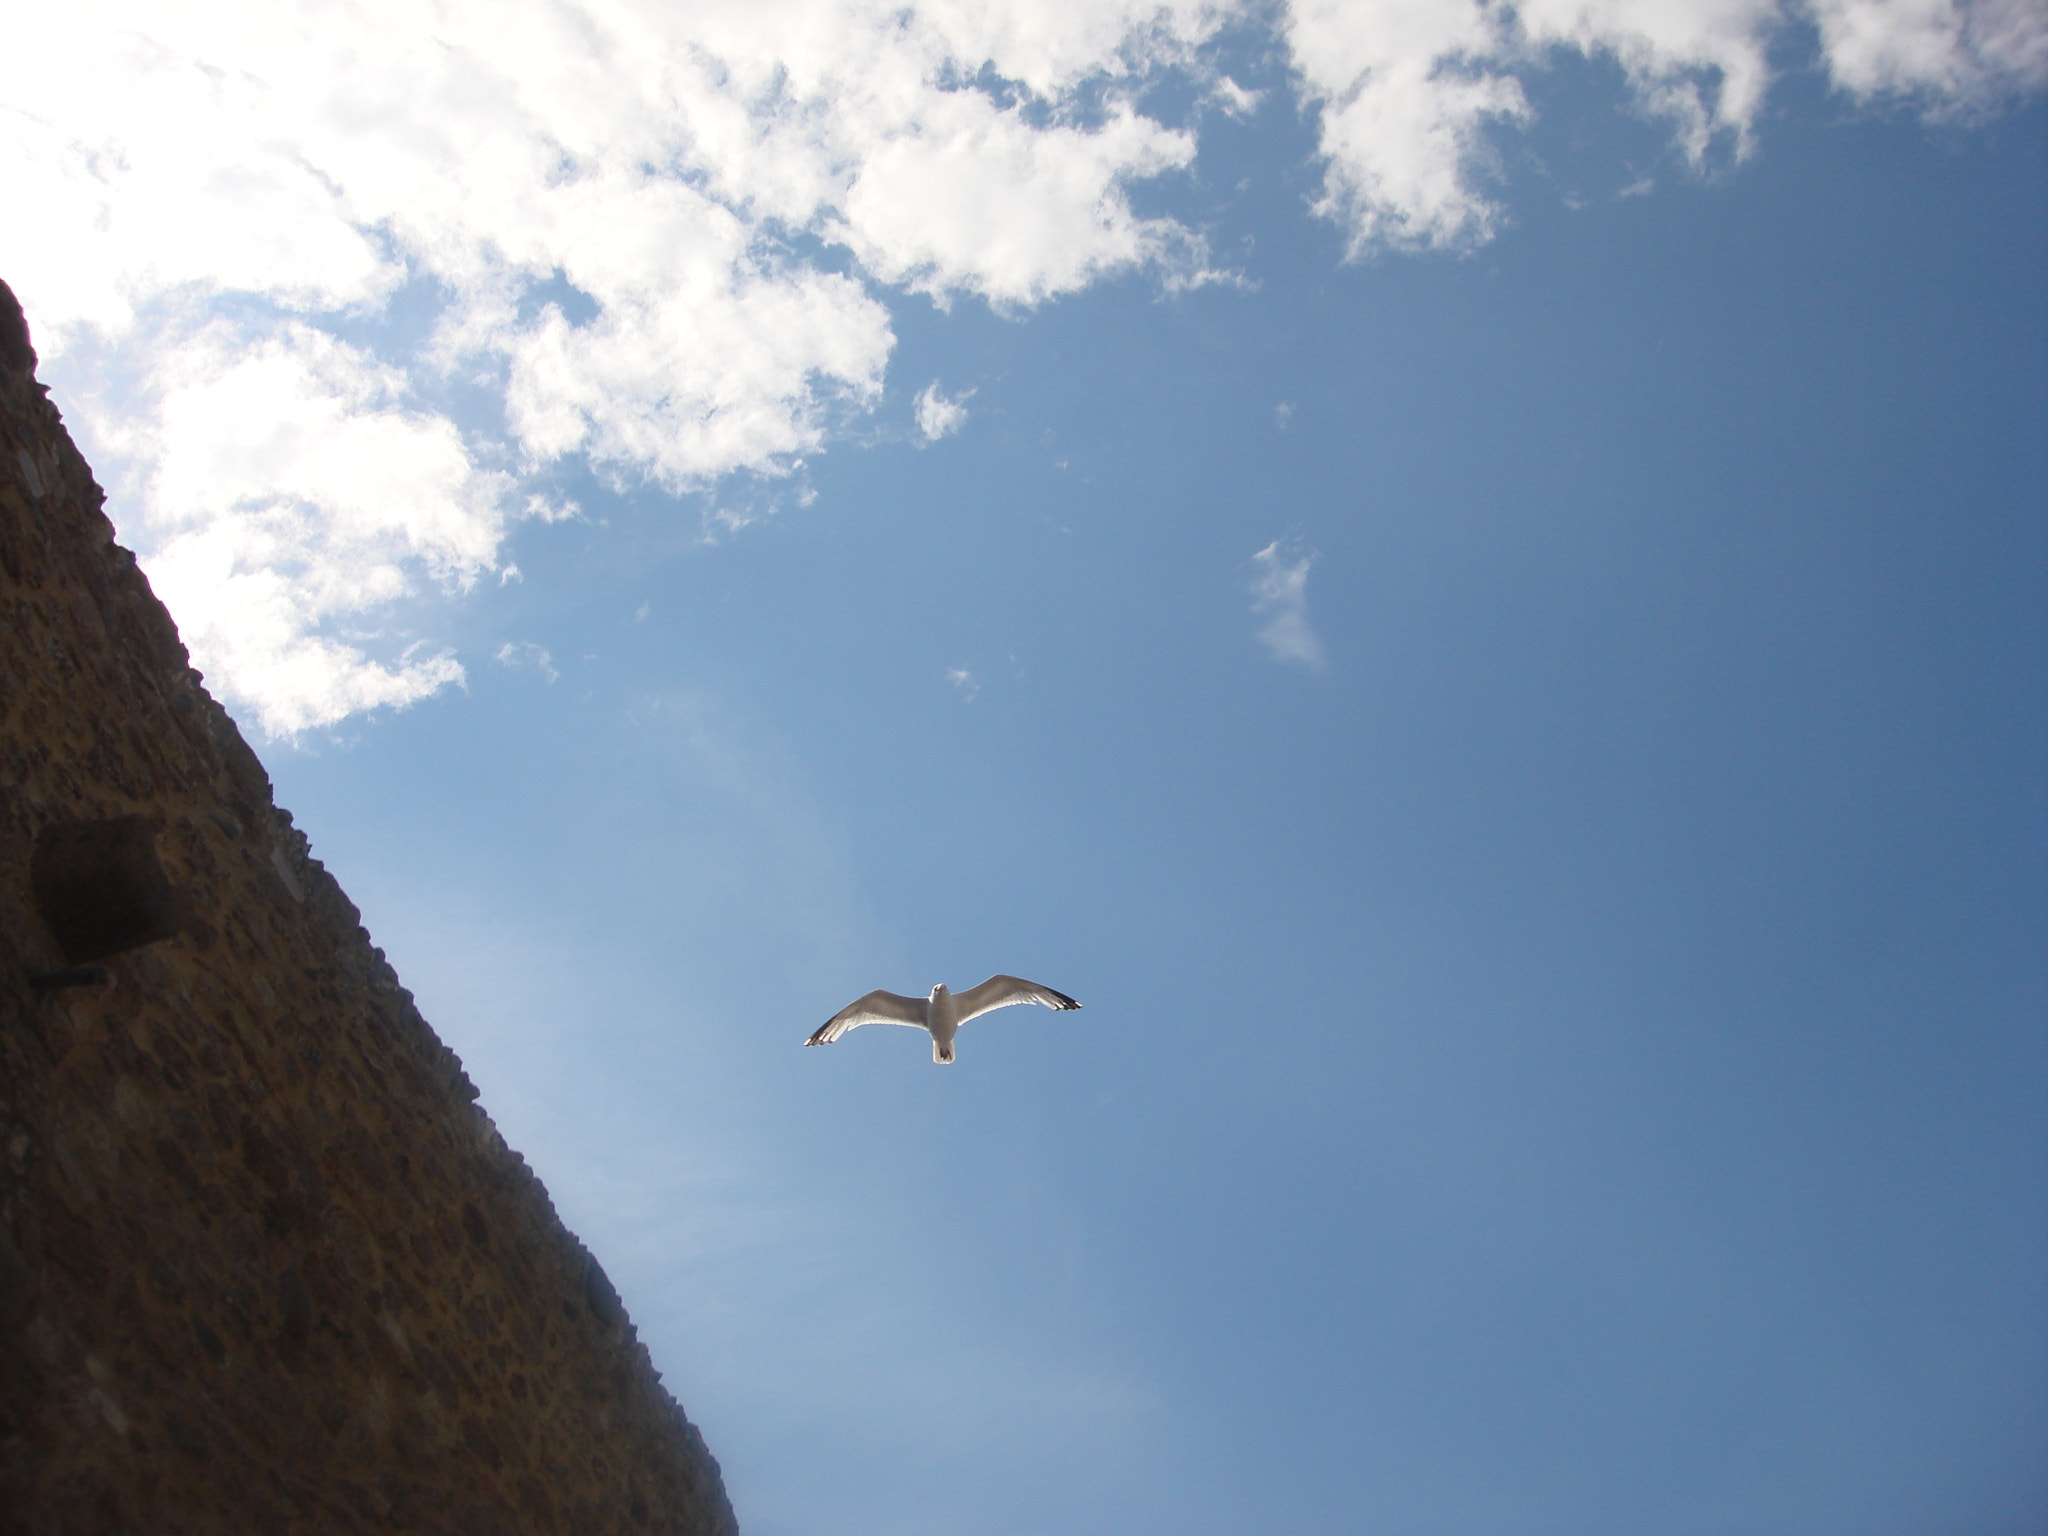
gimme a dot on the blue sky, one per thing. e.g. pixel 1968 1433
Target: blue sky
pixel 1471 582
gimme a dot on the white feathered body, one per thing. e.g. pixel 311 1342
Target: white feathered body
pixel 942 1018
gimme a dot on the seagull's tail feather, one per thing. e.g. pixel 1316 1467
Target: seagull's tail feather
pixel 942 1052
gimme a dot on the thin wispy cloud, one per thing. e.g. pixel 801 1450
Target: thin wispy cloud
pixel 525 653
pixel 598 197
pixel 937 416
pixel 1280 598
pixel 964 682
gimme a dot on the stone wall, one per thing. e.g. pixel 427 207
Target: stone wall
pixel 264 1264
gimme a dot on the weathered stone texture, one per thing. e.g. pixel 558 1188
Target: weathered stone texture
pixel 264 1265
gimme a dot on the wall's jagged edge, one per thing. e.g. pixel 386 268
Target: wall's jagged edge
pixel 264 1264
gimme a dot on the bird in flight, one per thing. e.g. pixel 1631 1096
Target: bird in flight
pixel 941 1014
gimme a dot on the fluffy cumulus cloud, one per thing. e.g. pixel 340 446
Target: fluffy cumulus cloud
pixel 288 486
pixel 609 207
pixel 1408 93
pixel 1280 598
pixel 1958 57
pixel 602 196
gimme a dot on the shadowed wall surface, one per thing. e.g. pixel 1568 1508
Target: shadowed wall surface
pixel 264 1264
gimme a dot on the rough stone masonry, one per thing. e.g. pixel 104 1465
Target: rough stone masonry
pixel 264 1264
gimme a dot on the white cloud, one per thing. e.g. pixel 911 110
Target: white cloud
pixel 1280 597
pixel 1957 58
pixel 1403 100
pixel 859 120
pixel 609 201
pixel 284 490
pixel 297 165
pixel 1235 99
pixel 317 153
pixel 986 202
pixel 964 682
pixel 938 416
pixel 1409 92
pixel 1409 89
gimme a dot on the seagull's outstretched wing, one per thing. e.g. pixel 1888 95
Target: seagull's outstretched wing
pixel 877 1007
pixel 1001 991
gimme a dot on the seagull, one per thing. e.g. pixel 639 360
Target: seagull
pixel 942 1013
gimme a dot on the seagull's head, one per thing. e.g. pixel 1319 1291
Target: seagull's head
pixel 937 988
